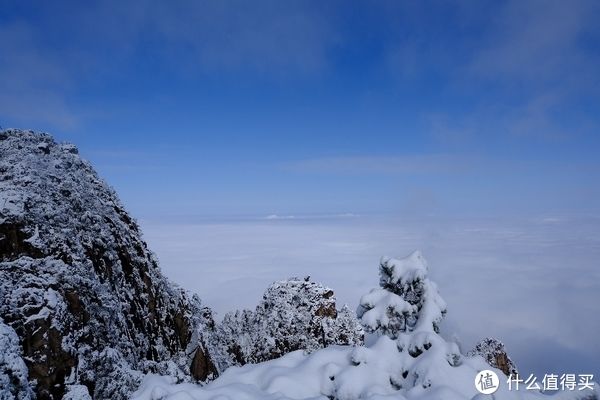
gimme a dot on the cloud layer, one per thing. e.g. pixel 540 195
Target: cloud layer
pixel 532 283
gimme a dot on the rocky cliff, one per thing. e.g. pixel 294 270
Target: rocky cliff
pixel 78 285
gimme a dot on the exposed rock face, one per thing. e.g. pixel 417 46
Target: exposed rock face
pixel 78 285
pixel 202 366
pixel 494 353
pixel 293 314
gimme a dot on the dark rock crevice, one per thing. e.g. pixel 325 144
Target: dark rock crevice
pixel 14 242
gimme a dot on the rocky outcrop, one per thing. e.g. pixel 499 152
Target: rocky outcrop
pixel 293 314
pixel 202 367
pixel 494 353
pixel 78 285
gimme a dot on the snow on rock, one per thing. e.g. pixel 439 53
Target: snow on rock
pixel 77 392
pixel 13 371
pixel 494 353
pixel 408 361
pixel 293 314
pixel 78 285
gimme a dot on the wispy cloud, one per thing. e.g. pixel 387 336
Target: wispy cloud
pixel 33 81
pixel 267 35
pixel 539 41
pixel 521 68
pixel 388 165
pixel 48 57
pixel 278 217
pixel 436 164
pixel 537 55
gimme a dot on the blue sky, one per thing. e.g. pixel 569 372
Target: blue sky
pixel 237 108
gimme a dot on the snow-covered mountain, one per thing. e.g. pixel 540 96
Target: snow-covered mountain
pixel 78 285
pixel 85 312
pixel 84 309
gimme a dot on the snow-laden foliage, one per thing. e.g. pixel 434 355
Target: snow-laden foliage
pixel 77 392
pixel 78 284
pixel 412 363
pixel 407 301
pixel 293 314
pixel 14 383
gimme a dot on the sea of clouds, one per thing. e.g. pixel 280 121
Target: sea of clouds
pixel 534 283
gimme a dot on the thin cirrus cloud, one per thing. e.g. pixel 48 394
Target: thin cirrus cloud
pixel 53 60
pixel 537 57
pixel 386 165
pixel 538 41
pixel 522 68
pixel 450 164
pixel 403 90
pixel 33 80
pixel 442 165
pixel 538 54
pixel 266 36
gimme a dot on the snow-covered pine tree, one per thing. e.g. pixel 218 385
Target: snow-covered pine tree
pixel 408 309
pixel 406 301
